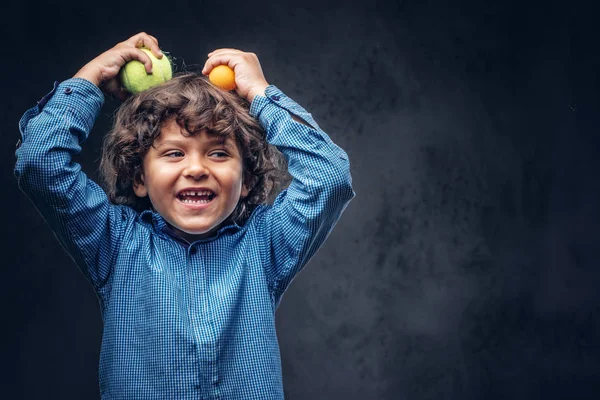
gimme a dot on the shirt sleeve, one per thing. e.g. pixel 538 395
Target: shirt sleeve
pixel 303 215
pixel 75 207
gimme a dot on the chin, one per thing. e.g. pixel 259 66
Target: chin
pixel 190 230
pixel 198 231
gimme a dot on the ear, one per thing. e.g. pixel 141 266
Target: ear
pixel 247 185
pixel 139 188
pixel 245 191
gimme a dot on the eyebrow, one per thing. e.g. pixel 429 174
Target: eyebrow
pixel 211 140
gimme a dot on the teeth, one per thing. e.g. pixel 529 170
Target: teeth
pixel 195 201
pixel 194 196
pixel 196 193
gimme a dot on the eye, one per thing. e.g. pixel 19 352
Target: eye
pixel 219 154
pixel 174 154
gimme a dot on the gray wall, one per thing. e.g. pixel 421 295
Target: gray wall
pixel 465 266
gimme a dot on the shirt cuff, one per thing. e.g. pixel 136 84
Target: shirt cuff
pixel 276 98
pixel 76 94
pixel 82 98
pixel 68 86
pixel 80 95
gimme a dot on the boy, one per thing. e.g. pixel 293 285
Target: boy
pixel 188 262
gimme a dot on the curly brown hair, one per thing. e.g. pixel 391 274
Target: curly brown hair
pixel 197 106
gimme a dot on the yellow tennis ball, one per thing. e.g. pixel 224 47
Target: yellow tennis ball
pixel 134 78
pixel 222 76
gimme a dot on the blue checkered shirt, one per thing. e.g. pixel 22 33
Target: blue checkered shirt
pixel 183 321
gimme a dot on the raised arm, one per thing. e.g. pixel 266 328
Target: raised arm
pixel 75 207
pixel 304 214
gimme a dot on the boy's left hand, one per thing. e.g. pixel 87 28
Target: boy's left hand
pixel 249 78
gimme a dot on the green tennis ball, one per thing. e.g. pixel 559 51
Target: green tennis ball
pixel 134 78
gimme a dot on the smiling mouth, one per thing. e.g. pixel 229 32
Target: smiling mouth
pixel 195 197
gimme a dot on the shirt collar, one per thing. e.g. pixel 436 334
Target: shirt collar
pixel 160 225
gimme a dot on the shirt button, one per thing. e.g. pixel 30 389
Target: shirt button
pixel 68 90
pixel 275 97
pixel 193 250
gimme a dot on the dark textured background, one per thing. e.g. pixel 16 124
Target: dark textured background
pixel 466 266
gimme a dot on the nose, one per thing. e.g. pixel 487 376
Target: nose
pixel 195 168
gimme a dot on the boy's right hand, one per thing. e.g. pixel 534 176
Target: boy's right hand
pixel 103 70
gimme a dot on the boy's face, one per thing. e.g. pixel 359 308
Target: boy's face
pixel 194 182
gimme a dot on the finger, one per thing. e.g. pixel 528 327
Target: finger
pixel 114 89
pixel 111 87
pixel 156 49
pixel 144 59
pixel 134 53
pixel 226 58
pixel 123 94
pixel 225 49
pixel 139 40
pixel 142 39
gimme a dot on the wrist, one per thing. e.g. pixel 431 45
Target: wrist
pixel 87 75
pixel 258 90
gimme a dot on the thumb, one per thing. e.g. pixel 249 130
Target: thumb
pixel 113 88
